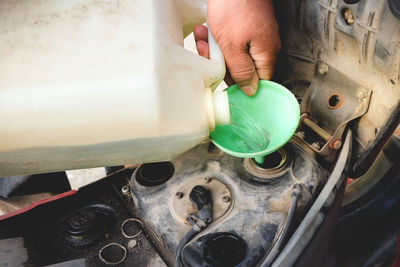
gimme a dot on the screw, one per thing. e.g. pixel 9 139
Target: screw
pixel 336 144
pixel 208 179
pixel 323 69
pixel 179 195
pixel 125 190
pixel 226 199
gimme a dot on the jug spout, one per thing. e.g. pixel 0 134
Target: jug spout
pixel 221 107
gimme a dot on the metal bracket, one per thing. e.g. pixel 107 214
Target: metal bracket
pixel 332 101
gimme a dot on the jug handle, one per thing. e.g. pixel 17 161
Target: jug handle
pixel 196 13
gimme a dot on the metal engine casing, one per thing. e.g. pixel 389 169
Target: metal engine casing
pixel 257 206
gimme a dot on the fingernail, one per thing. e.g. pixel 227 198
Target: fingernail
pixel 248 90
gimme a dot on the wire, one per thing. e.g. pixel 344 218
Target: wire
pixel 278 244
pixel 298 241
pixel 186 238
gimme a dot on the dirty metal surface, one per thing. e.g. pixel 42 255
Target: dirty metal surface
pixel 259 208
pixel 182 207
pixel 361 41
pixel 332 101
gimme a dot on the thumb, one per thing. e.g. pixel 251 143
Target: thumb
pixel 242 69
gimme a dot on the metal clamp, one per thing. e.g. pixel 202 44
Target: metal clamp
pixel 131 220
pixel 112 262
pixel 197 223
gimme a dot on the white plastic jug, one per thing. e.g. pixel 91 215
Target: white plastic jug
pixel 87 83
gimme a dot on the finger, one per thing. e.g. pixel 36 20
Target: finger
pixel 202 48
pixel 242 69
pixel 264 58
pixel 265 65
pixel 200 32
pixel 250 88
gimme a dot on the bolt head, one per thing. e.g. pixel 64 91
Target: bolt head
pixel 301 134
pixel 179 195
pixel 125 190
pixel 208 179
pixel 316 146
pixel 132 244
pixel 323 69
pixel 336 144
pixel 226 199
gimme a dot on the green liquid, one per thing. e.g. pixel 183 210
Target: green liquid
pixel 251 136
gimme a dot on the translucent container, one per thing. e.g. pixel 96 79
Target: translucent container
pixel 101 83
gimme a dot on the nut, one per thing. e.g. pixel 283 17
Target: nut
pixel 125 190
pixel 226 199
pixel 179 195
pixel 336 144
pixel 316 146
pixel 301 134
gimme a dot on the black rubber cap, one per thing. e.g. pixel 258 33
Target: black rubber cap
pixel 81 222
pixel 153 174
pixel 224 249
pixel 394 6
pixel 351 1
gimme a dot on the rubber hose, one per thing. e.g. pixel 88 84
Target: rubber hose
pixel 278 244
pixel 186 238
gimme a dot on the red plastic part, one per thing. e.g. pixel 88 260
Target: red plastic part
pixel 397 261
pixel 37 203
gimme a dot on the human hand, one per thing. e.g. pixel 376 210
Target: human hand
pixel 247 33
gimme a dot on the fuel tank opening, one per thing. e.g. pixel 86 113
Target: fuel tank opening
pixel 272 161
pixel 270 166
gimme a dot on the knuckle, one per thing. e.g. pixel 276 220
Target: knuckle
pixel 242 74
pixel 265 59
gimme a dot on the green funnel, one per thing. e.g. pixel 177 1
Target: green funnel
pixel 259 124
